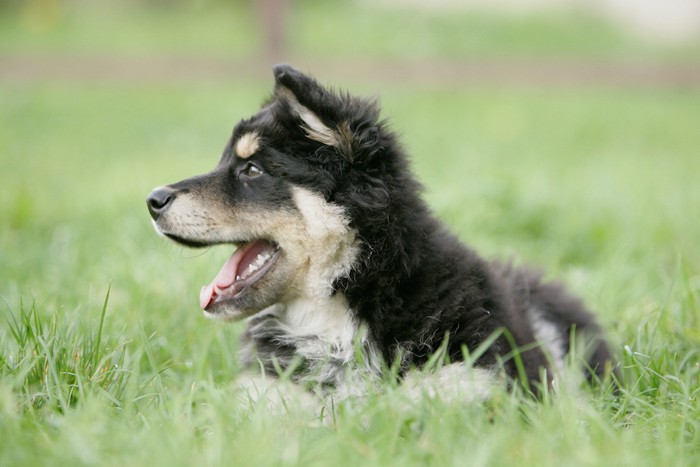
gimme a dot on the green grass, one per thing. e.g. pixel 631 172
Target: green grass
pixel 106 360
pixel 598 187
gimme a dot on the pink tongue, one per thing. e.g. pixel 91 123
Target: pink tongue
pixel 236 265
pixel 227 274
pixel 206 296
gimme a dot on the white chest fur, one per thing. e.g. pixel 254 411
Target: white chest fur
pixel 326 336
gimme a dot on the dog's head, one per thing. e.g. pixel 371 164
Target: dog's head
pixel 283 195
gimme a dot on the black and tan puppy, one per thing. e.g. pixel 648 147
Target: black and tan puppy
pixel 336 252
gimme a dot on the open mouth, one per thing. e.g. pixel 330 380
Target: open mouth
pixel 246 266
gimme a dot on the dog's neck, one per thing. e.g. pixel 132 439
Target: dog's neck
pixel 328 319
pixel 321 335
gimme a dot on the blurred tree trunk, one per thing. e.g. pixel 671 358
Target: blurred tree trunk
pixel 274 15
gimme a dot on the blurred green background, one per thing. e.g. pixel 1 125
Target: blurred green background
pixel 560 133
pixel 567 120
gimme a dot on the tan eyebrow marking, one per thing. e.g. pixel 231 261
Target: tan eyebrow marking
pixel 247 145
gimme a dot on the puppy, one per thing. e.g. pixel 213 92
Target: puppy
pixel 340 267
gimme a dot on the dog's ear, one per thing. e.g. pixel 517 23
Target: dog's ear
pixel 310 102
pixel 305 89
pixel 349 124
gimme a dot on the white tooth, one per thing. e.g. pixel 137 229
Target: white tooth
pixel 260 260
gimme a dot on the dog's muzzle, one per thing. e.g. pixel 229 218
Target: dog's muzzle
pixel 158 201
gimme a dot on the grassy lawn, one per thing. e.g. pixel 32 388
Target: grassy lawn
pixel 106 360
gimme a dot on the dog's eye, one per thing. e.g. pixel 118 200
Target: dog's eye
pixel 251 170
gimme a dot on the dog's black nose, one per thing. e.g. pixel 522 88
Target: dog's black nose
pixel 158 201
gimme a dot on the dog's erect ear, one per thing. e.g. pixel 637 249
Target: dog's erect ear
pixel 304 88
pixel 311 102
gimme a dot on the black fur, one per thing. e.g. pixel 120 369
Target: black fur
pixel 416 281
